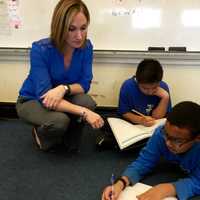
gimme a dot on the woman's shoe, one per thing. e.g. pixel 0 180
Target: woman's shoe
pixel 36 139
pixel 44 143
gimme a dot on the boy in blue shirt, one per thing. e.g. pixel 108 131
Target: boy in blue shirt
pixel 146 93
pixel 178 142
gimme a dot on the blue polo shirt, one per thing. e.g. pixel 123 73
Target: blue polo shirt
pixel 47 69
pixel 150 156
pixel 131 97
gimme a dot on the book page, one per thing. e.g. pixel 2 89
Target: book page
pixel 127 133
pixel 159 122
pixel 130 193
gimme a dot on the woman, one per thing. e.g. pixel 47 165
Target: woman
pixel 53 97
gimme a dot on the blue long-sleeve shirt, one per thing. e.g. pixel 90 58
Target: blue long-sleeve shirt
pixel 150 156
pixel 47 69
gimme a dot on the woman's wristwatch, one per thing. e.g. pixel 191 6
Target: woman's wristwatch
pixel 67 89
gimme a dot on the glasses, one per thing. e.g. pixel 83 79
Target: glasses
pixel 176 141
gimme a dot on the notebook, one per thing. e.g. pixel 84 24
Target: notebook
pixel 127 134
pixel 131 192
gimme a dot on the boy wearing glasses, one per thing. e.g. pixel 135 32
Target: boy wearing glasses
pixel 178 142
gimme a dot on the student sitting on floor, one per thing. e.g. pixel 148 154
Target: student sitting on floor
pixel 146 93
pixel 178 142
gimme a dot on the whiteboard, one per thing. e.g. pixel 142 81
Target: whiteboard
pixel 115 24
pixel 35 16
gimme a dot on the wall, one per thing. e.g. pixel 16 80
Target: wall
pixel 184 82
pixel 12 73
pixel 182 72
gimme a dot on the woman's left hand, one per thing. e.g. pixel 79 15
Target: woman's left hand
pixel 94 119
pixel 53 97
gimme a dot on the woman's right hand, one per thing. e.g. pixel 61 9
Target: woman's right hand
pixel 111 192
pixel 52 98
pixel 94 119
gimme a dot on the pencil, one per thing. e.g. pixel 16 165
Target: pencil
pixel 137 112
pixel 112 180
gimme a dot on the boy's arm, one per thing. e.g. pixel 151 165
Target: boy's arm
pixel 183 188
pixel 188 187
pixel 162 108
pixel 159 192
pixel 126 104
pixel 137 119
pixel 148 158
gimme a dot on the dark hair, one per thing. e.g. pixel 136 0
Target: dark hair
pixel 149 71
pixel 186 115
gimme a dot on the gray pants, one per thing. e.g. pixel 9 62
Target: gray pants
pixel 55 125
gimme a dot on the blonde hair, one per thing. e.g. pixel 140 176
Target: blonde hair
pixel 63 15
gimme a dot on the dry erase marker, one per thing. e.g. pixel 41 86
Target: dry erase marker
pixel 112 180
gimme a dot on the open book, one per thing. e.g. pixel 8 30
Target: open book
pixel 131 192
pixel 127 134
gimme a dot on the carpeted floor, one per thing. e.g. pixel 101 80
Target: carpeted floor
pixel 27 174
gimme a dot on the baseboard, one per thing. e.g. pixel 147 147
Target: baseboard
pixel 7 110
pixel 106 110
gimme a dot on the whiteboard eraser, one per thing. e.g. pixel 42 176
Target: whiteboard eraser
pixel 177 49
pixel 156 48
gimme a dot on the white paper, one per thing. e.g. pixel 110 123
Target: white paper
pixel 127 133
pixel 130 193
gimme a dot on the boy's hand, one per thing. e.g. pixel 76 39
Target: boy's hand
pixel 148 121
pixel 160 92
pixel 108 194
pixel 158 192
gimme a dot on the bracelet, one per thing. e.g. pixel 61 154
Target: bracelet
pixel 83 115
pixel 123 181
